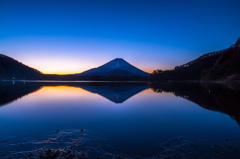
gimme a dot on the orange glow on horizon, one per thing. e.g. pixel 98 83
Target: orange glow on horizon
pixel 61 73
pixel 71 72
pixel 66 67
pixel 78 71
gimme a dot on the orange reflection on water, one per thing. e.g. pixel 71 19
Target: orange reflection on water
pixel 61 92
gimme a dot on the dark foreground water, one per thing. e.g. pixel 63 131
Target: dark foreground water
pixel 119 120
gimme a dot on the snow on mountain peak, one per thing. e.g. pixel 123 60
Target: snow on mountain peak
pixel 117 65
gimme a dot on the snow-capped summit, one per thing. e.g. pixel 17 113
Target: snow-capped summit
pixel 116 63
pixel 117 66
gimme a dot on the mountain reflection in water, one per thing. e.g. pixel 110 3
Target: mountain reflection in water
pixel 160 119
pixel 115 92
pixel 223 98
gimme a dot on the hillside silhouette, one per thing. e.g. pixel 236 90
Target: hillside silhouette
pixel 219 65
pixel 12 69
pixel 227 66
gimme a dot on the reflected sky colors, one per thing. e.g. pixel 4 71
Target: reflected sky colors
pixel 135 127
pixel 73 36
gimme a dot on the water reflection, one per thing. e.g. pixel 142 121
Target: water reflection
pixel 223 98
pixel 216 97
pixel 166 119
pixel 115 92
pixel 11 91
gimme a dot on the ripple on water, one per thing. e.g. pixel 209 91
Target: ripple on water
pixel 87 144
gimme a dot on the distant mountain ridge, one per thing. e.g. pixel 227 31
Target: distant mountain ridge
pixel 223 65
pixel 118 67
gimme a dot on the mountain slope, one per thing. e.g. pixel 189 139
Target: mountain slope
pixel 117 67
pixel 12 69
pixel 227 67
pixel 211 66
pixel 190 71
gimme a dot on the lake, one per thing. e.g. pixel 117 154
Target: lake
pixel 119 120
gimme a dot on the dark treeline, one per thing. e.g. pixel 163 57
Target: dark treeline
pixel 190 71
pixel 227 66
pixel 220 65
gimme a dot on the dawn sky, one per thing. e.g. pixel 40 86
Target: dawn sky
pixel 61 37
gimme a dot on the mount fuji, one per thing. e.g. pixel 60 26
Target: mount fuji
pixel 118 67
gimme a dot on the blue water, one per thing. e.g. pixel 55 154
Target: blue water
pixel 119 120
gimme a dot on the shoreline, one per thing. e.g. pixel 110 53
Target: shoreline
pixel 105 81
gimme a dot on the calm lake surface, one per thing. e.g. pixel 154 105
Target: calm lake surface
pixel 121 120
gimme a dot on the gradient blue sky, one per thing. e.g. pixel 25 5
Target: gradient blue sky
pixel 57 36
